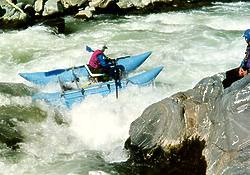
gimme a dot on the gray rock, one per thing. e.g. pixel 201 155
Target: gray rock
pixel 31 2
pixel 52 7
pixel 14 17
pixel 228 144
pixel 220 117
pixel 72 3
pixel 139 3
pixel 39 6
pixel 84 14
pixel 100 3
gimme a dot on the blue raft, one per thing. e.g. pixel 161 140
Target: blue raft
pixel 129 63
pixel 70 97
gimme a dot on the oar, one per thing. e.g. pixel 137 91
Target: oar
pixel 89 49
pixel 117 79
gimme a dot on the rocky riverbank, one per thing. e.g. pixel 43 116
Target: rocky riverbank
pixel 19 14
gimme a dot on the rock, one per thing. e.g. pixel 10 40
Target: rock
pixel 218 117
pixel 57 24
pixel 156 6
pixel 11 135
pixel 30 2
pixel 105 7
pixel 29 9
pixel 99 3
pixel 45 9
pixel 14 17
pixel 20 5
pixel 84 14
pixel 228 146
pixel 72 3
pixel 12 114
pixel 179 159
pixel 39 6
pixel 2 11
pixel 52 7
pixel 231 76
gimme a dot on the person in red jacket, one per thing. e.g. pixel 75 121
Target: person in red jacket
pixel 101 64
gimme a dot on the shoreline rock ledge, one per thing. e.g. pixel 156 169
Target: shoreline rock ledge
pixel 204 130
pixel 19 14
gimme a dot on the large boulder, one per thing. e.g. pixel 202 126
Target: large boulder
pixel 218 116
pixel 84 14
pixel 39 6
pixel 103 7
pixel 228 141
pixel 13 16
pixel 52 7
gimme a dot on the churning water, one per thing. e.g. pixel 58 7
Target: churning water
pixel 190 45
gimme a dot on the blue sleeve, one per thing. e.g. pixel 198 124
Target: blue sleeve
pixel 102 60
pixel 246 61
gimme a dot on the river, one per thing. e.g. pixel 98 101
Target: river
pixel 191 45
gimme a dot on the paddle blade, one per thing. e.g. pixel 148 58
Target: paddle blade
pixel 89 49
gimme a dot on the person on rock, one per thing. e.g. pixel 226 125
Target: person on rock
pixel 245 64
pixel 244 68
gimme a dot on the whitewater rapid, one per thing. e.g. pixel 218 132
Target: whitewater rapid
pixel 189 44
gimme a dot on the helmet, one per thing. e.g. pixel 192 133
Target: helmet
pixel 104 47
pixel 247 35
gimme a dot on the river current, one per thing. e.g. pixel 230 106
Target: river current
pixel 191 45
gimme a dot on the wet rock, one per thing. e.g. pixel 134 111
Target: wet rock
pixel 228 142
pixel 105 7
pixel 14 17
pixel 11 135
pixel 29 9
pixel 52 7
pixel 219 117
pixel 21 16
pixel 84 14
pixel 231 77
pixel 177 160
pixel 72 3
pixel 156 6
pixel 39 6
pixel 30 2
pixel 57 24
pixel 2 11
pixel 12 116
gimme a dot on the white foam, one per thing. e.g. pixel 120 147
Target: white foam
pixel 190 45
pixel 102 122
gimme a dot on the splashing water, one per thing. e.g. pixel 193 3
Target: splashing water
pixel 190 45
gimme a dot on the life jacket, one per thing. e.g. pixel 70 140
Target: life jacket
pixel 246 60
pixel 94 62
